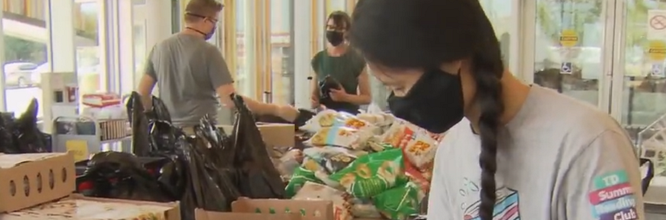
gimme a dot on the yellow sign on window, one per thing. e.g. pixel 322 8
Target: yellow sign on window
pixel 79 148
pixel 569 38
pixel 657 50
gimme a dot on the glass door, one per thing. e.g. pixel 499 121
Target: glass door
pixel 569 48
pixel 640 94
pixel 609 53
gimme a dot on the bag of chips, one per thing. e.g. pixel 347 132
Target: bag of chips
pixel 364 208
pixel 341 136
pixel 400 202
pixel 372 174
pixel 298 179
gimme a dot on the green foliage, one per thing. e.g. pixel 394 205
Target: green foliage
pixel 20 49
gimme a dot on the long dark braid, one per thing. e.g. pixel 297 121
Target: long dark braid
pixel 487 74
pixel 418 34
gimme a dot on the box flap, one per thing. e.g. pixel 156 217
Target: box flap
pixel 200 214
pixel 308 210
pixel 11 160
pixel 80 207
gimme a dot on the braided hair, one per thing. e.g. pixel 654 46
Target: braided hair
pixel 423 34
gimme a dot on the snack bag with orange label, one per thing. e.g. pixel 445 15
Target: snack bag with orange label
pixel 340 136
pixel 323 119
pixel 420 150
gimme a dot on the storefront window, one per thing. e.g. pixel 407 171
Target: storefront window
pixel 25 53
pixel 282 63
pixel 88 45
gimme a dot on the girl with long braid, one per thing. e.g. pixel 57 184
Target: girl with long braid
pixel 512 151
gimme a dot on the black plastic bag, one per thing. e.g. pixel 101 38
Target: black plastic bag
pixel 159 111
pixel 139 123
pixel 27 136
pixel 201 189
pixel 258 177
pixel 162 138
pixel 121 175
pixel 6 134
pixel 325 86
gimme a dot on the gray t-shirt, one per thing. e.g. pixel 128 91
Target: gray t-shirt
pixel 188 70
pixel 558 159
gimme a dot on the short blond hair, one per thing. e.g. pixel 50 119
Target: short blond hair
pixel 196 9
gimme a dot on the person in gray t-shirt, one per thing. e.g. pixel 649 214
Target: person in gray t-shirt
pixel 190 73
pixel 511 151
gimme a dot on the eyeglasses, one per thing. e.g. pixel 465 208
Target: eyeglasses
pixel 203 17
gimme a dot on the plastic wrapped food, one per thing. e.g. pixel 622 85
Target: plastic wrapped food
pixel 300 177
pixel 289 162
pixel 399 203
pixel 340 136
pixel 342 201
pixel 364 208
pixel 320 172
pixel 372 174
pixel 331 118
pixel 419 145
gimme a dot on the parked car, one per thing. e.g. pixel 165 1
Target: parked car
pixel 19 73
pixel 36 76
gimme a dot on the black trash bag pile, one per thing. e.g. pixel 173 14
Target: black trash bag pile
pixel 21 135
pixel 209 170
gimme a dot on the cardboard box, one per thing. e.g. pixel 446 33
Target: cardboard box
pixel 79 207
pixel 31 179
pixel 272 209
pixel 274 134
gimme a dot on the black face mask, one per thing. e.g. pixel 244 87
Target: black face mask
pixel 334 37
pixel 434 103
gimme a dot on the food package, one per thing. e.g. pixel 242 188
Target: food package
pixel 372 174
pixel 364 208
pixel 419 145
pixel 319 171
pixel 331 118
pixel 333 159
pixel 399 203
pixel 288 162
pixel 68 209
pixel 300 177
pixel 342 137
pixel 342 201
pixel 382 120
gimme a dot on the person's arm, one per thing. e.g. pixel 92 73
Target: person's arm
pixel 221 79
pixel 364 94
pixel 314 82
pixel 147 83
pixel 603 182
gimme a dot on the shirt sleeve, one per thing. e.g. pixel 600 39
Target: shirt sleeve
pixel 149 67
pixel 439 199
pixel 218 71
pixel 603 182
